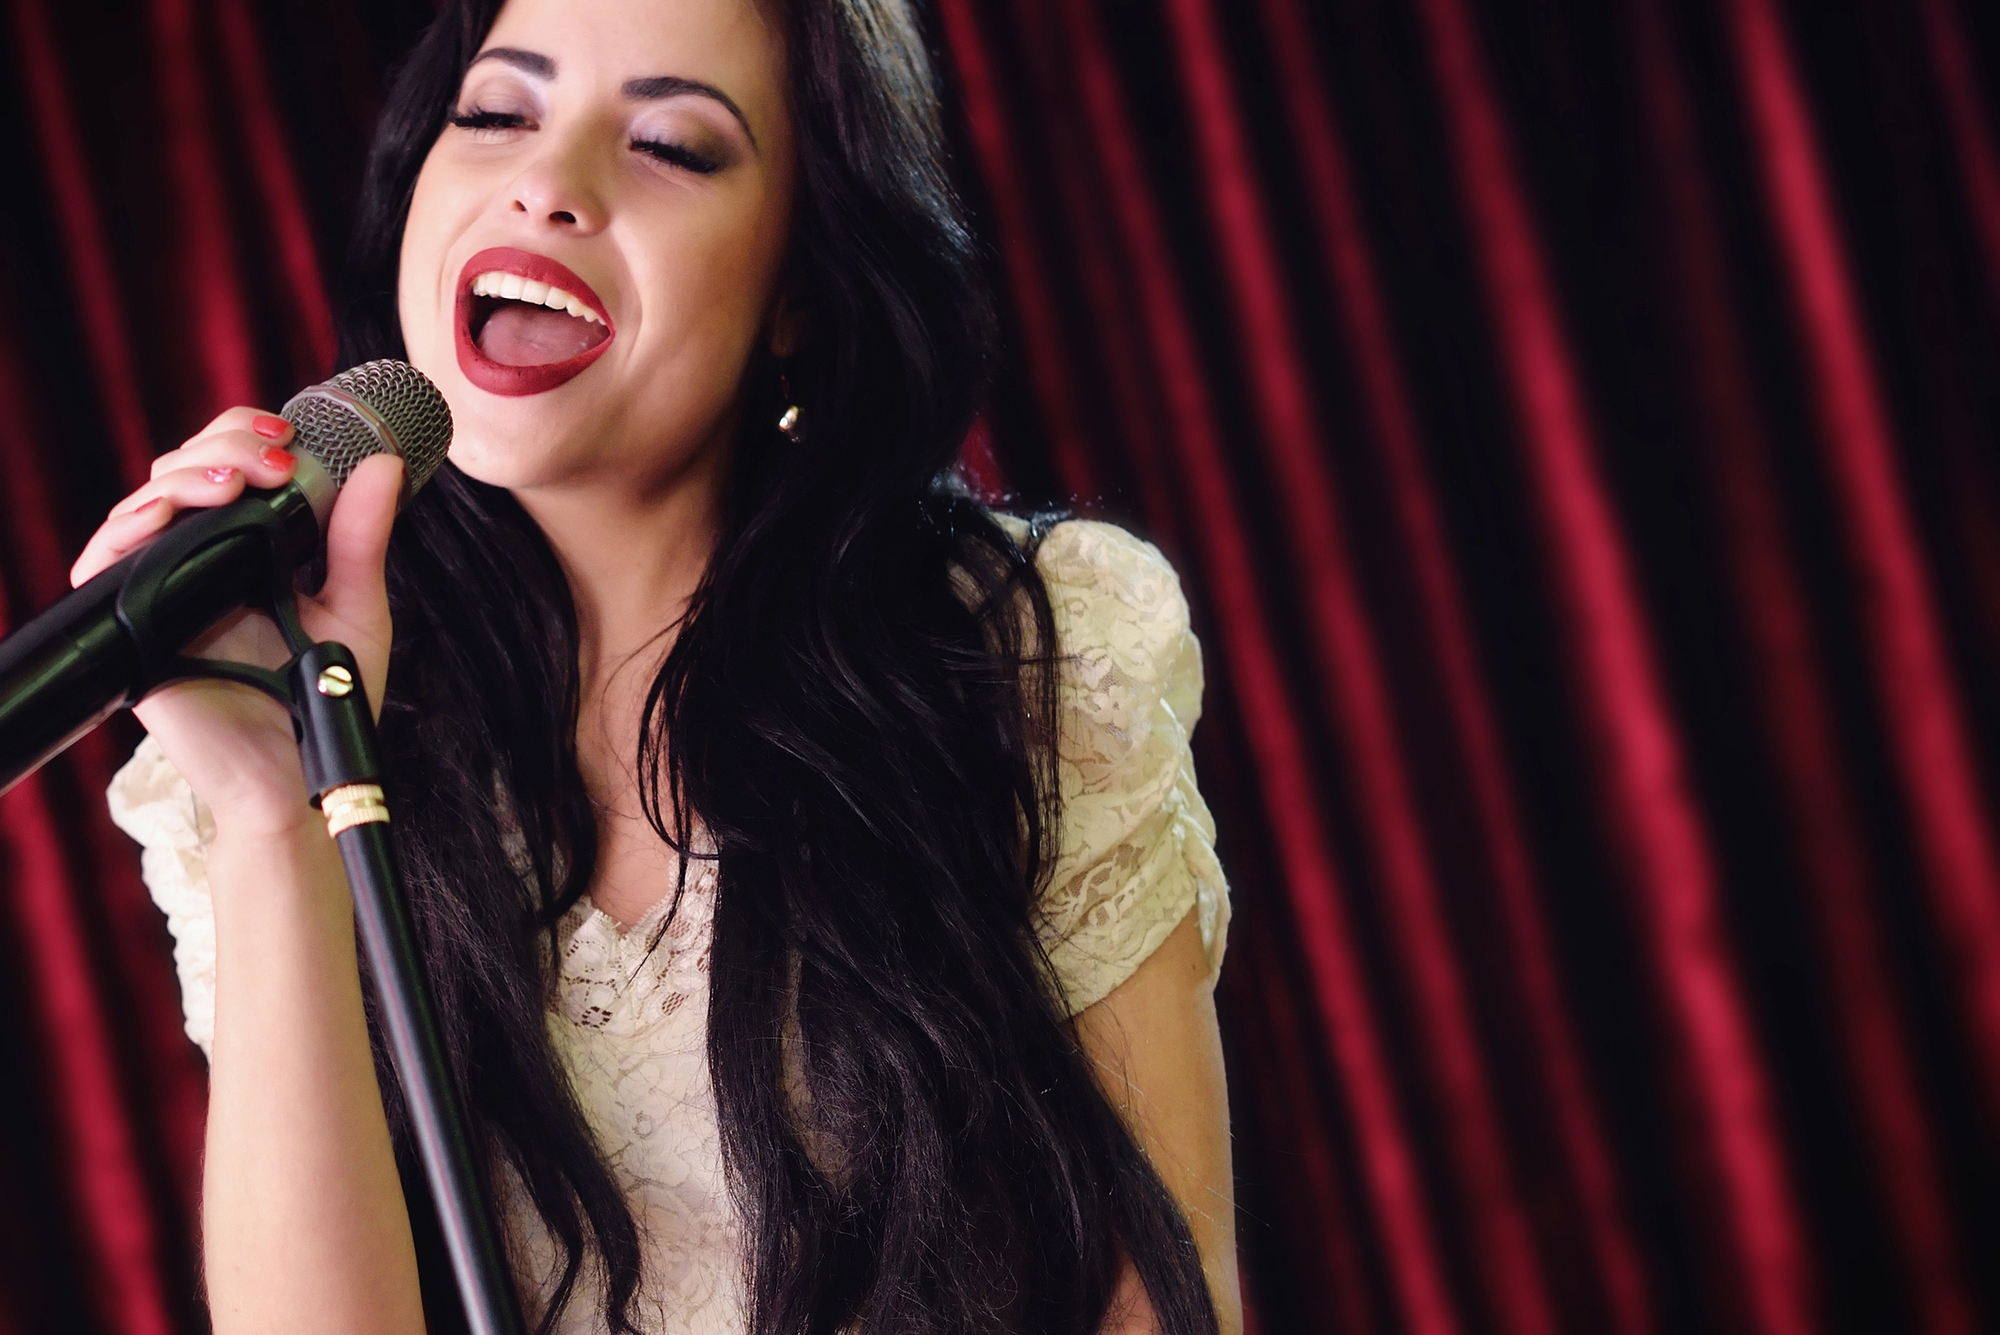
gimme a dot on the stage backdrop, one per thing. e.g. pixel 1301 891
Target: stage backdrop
pixel 1574 423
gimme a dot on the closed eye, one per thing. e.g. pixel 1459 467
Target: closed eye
pixel 488 120
pixel 677 155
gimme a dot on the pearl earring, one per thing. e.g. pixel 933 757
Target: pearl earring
pixel 788 421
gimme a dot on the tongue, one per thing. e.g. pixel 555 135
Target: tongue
pixel 522 335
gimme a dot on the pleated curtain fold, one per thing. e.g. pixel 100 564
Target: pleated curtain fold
pixel 1574 427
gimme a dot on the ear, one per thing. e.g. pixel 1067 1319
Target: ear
pixel 789 327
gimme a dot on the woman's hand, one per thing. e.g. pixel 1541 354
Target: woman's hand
pixel 233 744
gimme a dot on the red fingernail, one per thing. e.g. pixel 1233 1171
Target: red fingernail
pixel 219 474
pixel 273 428
pixel 277 458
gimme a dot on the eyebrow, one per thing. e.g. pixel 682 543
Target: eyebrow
pixel 653 89
pixel 672 85
pixel 529 62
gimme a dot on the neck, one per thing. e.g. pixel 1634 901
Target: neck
pixel 634 551
pixel 633 557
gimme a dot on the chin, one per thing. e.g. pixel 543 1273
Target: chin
pixel 502 442
pixel 513 458
pixel 582 430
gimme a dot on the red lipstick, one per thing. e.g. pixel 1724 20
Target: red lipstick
pixel 516 381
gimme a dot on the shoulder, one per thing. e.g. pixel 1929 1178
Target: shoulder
pixel 1135 851
pixel 1086 561
pixel 1091 560
pixel 1121 620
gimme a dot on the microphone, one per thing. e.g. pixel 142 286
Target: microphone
pixel 121 634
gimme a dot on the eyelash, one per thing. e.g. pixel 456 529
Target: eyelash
pixel 488 120
pixel 674 155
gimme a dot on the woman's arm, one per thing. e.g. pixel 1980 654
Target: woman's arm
pixel 1158 1054
pixel 303 1219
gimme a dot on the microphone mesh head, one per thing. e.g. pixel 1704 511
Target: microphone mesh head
pixel 381 407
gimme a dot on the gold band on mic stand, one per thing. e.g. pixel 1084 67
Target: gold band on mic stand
pixel 353 804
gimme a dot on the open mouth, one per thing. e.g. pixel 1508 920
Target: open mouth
pixel 526 323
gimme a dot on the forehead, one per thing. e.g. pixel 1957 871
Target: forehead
pixel 736 45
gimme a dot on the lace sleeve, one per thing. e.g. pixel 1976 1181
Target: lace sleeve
pixel 1137 845
pixel 151 802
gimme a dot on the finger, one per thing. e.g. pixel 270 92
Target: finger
pixel 357 537
pixel 263 459
pixel 117 536
pixel 187 489
pixel 145 512
pixel 252 421
pixel 246 419
pixel 357 543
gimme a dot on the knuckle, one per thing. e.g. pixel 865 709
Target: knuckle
pixel 236 417
pixel 236 442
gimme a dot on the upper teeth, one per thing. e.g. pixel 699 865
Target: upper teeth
pixel 513 287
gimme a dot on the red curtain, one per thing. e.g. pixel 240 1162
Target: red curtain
pixel 1574 426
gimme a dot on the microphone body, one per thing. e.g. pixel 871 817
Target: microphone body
pixel 76 664
pixel 117 637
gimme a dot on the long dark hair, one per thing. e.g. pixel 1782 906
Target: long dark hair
pixel 860 703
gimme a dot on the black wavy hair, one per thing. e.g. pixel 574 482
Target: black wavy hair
pixel 858 707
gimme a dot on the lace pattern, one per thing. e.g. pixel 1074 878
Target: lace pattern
pixel 631 1026
pixel 1137 846
pixel 1135 856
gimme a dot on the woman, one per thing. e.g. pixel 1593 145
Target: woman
pixel 807 860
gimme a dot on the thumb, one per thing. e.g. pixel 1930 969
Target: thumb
pixel 357 540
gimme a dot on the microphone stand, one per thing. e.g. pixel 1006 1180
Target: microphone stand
pixel 322 689
pixel 337 745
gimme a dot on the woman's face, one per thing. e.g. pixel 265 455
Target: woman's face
pixel 630 161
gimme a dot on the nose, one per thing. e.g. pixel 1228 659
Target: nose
pixel 556 190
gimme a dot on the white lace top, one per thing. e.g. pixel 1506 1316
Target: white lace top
pixel 1136 856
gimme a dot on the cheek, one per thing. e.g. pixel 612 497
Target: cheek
pixel 423 290
pixel 715 285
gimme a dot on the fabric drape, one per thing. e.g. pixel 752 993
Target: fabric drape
pixel 1574 426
